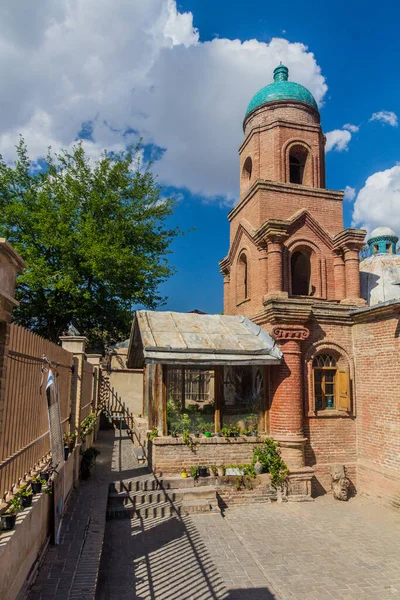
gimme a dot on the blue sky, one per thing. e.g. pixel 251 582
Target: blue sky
pixel 359 59
pixel 180 75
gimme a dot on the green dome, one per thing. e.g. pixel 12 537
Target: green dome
pixel 281 89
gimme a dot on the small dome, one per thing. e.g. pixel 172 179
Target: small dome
pixel 382 232
pixel 281 90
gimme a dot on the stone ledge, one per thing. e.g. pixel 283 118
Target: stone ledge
pixel 170 441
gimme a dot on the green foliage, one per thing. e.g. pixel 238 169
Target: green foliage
pixel 194 472
pixel 14 505
pixel 270 457
pixel 153 434
pixel 25 492
pixel 94 236
pixel 213 469
pixel 87 425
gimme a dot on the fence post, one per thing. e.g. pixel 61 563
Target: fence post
pixel 10 265
pixel 76 345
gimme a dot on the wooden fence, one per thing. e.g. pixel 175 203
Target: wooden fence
pixel 25 436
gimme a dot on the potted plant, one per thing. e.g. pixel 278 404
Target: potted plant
pixel 194 472
pixel 203 472
pixel 184 473
pixel 208 434
pixel 213 470
pixel 69 440
pixel 36 483
pixel 221 470
pixel 26 496
pixel 9 517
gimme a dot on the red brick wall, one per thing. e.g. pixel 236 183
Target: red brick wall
pixel 171 455
pixel 377 360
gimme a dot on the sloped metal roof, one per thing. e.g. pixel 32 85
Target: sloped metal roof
pixel 195 339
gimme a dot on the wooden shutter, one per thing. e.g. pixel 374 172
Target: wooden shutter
pixel 343 391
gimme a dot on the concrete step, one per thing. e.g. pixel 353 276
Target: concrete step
pixel 143 511
pixel 190 507
pixel 177 482
pixel 135 484
pixel 138 498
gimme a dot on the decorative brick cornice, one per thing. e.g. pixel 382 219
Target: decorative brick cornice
pixel 285 310
pixel 287 188
pixel 386 310
pixel 282 125
pixel 290 332
pixel 273 230
pixel 350 239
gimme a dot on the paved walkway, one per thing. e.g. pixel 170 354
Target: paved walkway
pixel 303 551
pixel 69 571
pixel 307 551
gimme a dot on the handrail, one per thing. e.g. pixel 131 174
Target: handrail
pixel 113 399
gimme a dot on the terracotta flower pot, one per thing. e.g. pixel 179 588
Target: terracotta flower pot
pixel 221 471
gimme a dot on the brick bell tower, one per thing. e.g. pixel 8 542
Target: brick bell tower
pixel 291 266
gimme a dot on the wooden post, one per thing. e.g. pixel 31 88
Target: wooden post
pixel 164 399
pixel 264 414
pixel 183 389
pixel 218 396
pixel 144 408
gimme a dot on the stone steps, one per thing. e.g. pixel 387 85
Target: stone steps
pixel 146 497
pixel 143 511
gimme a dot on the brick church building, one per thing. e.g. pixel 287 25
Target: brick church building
pixel 293 269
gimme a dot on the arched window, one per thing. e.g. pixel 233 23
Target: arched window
pixel 297 162
pixel 300 270
pixel 324 367
pixel 247 169
pixel 331 379
pixel 243 278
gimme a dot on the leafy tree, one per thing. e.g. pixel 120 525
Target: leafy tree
pixel 94 237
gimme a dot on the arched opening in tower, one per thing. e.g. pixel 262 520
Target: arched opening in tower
pixel 297 162
pixel 301 271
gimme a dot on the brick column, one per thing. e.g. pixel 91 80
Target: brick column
pixel 286 414
pixel 76 345
pixel 263 258
pixel 275 264
pixel 10 265
pixel 352 273
pixel 339 275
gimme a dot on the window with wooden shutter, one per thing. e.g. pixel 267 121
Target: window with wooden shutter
pixel 331 384
pixel 343 399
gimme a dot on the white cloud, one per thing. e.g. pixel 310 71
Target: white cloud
pixel 385 116
pixel 350 127
pixel 378 202
pixel 129 65
pixel 349 193
pixel 338 140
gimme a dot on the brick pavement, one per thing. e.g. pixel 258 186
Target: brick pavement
pixel 69 570
pixel 305 551
pixel 309 551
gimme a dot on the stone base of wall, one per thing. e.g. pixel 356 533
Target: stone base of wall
pixel 379 484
